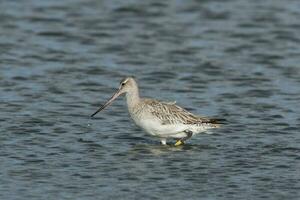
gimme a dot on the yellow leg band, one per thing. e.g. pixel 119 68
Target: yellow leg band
pixel 178 143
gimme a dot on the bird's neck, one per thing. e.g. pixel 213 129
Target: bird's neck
pixel 133 98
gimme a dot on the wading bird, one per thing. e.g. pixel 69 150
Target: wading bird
pixel 161 119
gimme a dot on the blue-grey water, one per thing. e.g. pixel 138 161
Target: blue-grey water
pixel 235 59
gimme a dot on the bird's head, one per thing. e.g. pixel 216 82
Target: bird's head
pixel 126 85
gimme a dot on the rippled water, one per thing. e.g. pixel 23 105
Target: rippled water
pixel 59 60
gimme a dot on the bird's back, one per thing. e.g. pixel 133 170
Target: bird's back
pixel 170 113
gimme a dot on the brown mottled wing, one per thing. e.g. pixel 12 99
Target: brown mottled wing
pixel 170 113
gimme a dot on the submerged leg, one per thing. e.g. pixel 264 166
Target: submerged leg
pixel 181 140
pixel 163 141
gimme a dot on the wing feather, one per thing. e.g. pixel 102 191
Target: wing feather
pixel 170 113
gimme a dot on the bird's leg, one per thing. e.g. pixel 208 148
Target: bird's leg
pixel 163 141
pixel 181 140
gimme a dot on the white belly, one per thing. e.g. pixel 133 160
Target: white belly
pixel 155 128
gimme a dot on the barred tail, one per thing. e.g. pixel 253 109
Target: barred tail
pixel 216 122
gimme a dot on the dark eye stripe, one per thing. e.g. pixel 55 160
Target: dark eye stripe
pixel 123 80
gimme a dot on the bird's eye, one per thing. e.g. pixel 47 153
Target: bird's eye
pixel 123 84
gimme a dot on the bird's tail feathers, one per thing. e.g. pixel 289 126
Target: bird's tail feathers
pixel 216 122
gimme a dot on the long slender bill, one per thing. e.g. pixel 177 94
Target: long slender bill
pixel 108 102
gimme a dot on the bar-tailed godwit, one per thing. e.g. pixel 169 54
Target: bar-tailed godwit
pixel 161 119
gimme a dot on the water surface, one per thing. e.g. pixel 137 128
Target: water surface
pixel 59 60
